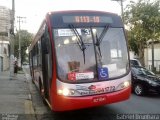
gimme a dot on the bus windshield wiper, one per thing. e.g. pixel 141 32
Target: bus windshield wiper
pixel 79 41
pixel 99 40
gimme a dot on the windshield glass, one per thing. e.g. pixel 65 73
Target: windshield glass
pixel 134 63
pixel 109 58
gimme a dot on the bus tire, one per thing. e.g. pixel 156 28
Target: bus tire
pixel 139 89
pixel 42 93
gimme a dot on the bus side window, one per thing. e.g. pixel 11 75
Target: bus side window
pixel 44 46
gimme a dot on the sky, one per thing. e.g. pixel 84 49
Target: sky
pixel 34 11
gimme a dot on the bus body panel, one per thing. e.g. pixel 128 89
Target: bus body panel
pixel 93 88
pixel 62 103
pixel 56 20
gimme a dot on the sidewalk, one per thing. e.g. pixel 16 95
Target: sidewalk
pixel 15 98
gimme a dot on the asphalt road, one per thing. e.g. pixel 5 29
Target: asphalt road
pixel 139 108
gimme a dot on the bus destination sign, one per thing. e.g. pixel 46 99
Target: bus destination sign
pixel 87 19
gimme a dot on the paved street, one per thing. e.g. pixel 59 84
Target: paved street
pixel 20 97
pixel 134 108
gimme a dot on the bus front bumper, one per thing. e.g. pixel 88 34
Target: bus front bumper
pixel 63 103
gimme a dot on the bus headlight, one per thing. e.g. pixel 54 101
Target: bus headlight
pixel 65 92
pixel 126 83
pixel 123 85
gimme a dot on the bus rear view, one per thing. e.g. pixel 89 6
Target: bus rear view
pixel 90 63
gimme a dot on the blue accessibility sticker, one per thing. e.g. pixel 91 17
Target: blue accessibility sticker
pixel 103 73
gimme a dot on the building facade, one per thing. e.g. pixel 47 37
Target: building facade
pixel 5 25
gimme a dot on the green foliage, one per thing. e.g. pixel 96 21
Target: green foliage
pixel 132 42
pixel 143 18
pixel 25 41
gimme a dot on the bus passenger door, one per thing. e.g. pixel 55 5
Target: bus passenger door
pixel 46 63
pixel 31 65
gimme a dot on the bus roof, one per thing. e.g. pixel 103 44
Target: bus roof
pixel 63 18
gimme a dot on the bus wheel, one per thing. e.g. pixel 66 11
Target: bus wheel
pixel 42 93
pixel 41 89
pixel 139 90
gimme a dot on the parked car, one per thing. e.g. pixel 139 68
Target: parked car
pixel 144 81
pixel 135 62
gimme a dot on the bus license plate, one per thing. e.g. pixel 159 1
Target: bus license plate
pixel 99 99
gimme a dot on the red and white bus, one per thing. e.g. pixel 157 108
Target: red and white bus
pixel 79 59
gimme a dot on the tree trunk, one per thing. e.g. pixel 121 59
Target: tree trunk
pixel 141 52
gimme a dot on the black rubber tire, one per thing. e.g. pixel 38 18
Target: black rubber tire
pixel 139 89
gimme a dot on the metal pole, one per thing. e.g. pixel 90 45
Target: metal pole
pixel 153 70
pixel 19 36
pixel 19 21
pixel 152 55
pixel 12 28
pixel 11 37
pixel 122 13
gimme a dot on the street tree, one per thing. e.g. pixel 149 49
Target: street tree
pixel 25 41
pixel 143 19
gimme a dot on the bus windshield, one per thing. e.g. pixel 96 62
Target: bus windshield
pixel 104 48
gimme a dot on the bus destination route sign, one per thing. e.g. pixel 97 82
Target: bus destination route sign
pixel 87 19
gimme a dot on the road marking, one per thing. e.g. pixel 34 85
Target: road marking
pixel 28 107
pixel 29 111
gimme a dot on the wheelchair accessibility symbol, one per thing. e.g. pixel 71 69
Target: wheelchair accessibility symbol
pixel 103 73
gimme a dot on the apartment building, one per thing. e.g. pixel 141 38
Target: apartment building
pixel 5 25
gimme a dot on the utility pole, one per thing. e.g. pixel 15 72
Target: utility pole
pixel 20 20
pixel 11 37
pixel 13 17
pixel 152 44
pixel 121 3
pixel 122 13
